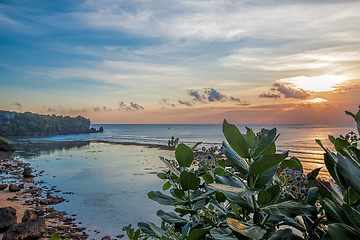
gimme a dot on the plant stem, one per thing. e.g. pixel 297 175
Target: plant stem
pixel 189 199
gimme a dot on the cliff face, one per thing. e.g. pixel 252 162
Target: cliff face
pixel 33 124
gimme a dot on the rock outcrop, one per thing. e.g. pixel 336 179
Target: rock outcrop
pixel 33 229
pixel 7 218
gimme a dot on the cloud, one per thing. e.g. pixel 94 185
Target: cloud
pixel 269 95
pixel 186 103
pixel 289 92
pixel 166 101
pixel 50 109
pixel 208 95
pixel 19 105
pixel 130 107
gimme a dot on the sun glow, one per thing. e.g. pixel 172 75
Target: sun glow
pixel 318 100
pixel 323 83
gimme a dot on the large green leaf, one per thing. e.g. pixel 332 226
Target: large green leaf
pixel 197 233
pixel 356 118
pixel 324 191
pixel 264 144
pixel 290 209
pixel 350 171
pixel 250 137
pixel 342 231
pixel 285 234
pixel 334 213
pixel 264 197
pixel 222 234
pixel 356 153
pixel 171 217
pixel 312 196
pixel 236 139
pixel 266 162
pixel 336 192
pixel 331 166
pixel 248 230
pixel 184 155
pixel 260 181
pixel 239 163
pixel 234 194
pixel 341 145
pixel 229 180
pixel 147 229
pixel 353 215
pixel 164 199
pixel 189 180
pixel 292 163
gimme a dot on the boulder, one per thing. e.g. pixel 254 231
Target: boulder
pixel 3 186
pixel 101 129
pixel 28 215
pixel 51 200
pixel 33 229
pixel 27 173
pixel 7 218
pixel 13 188
pixel 106 238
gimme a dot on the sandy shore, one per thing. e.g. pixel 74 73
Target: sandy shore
pixel 38 200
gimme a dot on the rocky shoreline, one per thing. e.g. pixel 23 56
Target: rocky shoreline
pixel 26 206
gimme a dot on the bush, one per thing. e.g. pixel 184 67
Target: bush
pixel 262 195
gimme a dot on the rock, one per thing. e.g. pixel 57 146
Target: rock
pixel 21 186
pixel 106 238
pixel 33 229
pixel 28 215
pixel 3 186
pixel 27 173
pixel 92 130
pixel 6 147
pixel 7 218
pixel 51 200
pixel 13 188
pixel 100 129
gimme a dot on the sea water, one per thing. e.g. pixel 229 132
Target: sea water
pixel 110 182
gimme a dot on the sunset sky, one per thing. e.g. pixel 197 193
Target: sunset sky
pixel 278 62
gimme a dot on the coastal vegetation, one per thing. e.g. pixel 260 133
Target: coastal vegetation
pixel 248 190
pixel 33 124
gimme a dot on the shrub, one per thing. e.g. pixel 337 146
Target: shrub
pixel 262 195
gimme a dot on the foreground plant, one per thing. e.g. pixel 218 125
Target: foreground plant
pixel 262 195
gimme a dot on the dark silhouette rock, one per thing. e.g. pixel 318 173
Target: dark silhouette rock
pixel 7 218
pixel 33 229
pixel 3 186
pixel 13 188
pixel 21 186
pixel 51 200
pixel 7 148
pixel 92 130
pixel 27 173
pixel 28 215
pixel 106 238
pixel 100 129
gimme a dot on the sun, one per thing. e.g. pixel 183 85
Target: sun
pixel 323 83
pixel 317 100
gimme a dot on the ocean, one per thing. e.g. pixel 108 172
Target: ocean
pixel 110 182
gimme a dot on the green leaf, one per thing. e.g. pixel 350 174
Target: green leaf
pixel 166 186
pixel 312 196
pixel 170 166
pixel 265 178
pixel 158 231
pixel 184 155
pixel 189 180
pixel 290 209
pixel 341 145
pixel 285 234
pixel 234 194
pixel 336 192
pixel 266 162
pixel 164 199
pixel 264 144
pixel 222 234
pixel 264 197
pixel 314 173
pixel 171 217
pixel 185 231
pixel 229 180
pixel 331 166
pixel 292 163
pixel 239 163
pixel 250 137
pixel 274 192
pixel 197 233
pixel 342 231
pixel 334 213
pixel 271 149
pixel 236 139
pixel 353 215
pixel 178 193
pixel 145 228
pixel 324 191
pixel 248 230
pixel 208 179
pixel 350 171
pixel 332 139
pixel 356 153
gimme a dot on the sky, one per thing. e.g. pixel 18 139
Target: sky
pixel 113 61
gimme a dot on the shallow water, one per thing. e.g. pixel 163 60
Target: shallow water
pixel 110 183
